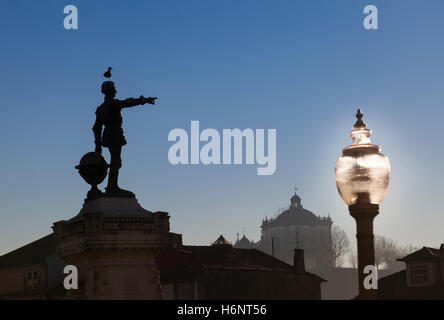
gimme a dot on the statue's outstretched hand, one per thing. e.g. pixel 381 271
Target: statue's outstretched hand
pixel 150 100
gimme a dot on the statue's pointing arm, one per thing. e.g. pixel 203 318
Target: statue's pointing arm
pixel 97 129
pixel 131 102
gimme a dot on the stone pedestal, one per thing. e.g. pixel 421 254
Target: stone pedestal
pixel 113 243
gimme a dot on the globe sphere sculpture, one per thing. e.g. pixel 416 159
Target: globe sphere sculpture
pixel 93 168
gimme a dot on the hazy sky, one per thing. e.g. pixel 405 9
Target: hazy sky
pixel 300 67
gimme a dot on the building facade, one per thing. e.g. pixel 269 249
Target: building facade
pixel 33 271
pixel 422 278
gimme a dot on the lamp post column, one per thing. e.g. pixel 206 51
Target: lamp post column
pixel 362 176
pixel 364 213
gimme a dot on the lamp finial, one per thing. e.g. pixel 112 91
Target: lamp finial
pixel 359 123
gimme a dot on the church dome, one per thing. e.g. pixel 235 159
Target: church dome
pixel 244 243
pixel 294 215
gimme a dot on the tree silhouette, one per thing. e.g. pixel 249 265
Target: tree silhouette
pixel 340 243
pixel 387 251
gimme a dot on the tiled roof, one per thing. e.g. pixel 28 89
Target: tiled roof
pixel 241 259
pixel 424 253
pixel 224 258
pixel 32 253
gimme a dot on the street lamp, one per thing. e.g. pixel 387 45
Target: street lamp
pixel 362 178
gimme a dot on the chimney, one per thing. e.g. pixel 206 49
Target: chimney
pixel 299 261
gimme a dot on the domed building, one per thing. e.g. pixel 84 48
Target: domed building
pixel 244 243
pixel 298 228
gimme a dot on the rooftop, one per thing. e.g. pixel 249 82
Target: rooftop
pixel 32 253
pixel 221 241
pixel 221 258
pixel 424 253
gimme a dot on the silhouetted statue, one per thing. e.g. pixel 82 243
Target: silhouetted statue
pixel 109 115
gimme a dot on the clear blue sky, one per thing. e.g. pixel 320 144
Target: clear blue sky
pixel 301 67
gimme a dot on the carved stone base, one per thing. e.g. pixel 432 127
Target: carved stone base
pixel 113 243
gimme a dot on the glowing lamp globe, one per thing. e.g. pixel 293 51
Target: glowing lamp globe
pixel 362 172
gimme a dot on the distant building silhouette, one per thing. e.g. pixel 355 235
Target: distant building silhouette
pixel 423 277
pixel 295 228
pixel 244 243
pixel 221 271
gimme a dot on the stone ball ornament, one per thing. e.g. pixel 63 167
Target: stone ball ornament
pixel 362 172
pixel 93 168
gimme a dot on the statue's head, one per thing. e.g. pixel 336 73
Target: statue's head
pixel 108 89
